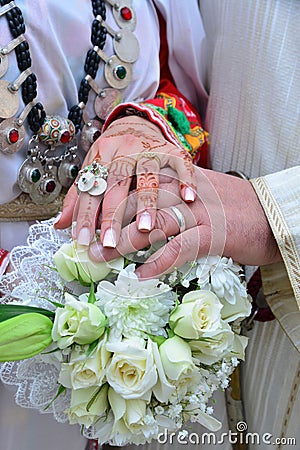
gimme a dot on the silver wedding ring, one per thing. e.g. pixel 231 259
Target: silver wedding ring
pixel 179 217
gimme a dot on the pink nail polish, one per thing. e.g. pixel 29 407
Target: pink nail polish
pixel 84 237
pixel 145 221
pixel 110 238
pixel 189 194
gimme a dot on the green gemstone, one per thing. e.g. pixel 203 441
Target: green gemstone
pixel 121 72
pixel 74 171
pixel 35 175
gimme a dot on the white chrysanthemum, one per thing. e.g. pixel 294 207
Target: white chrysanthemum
pixel 135 307
pixel 221 275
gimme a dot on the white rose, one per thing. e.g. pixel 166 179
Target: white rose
pixel 239 347
pixel 199 312
pixel 83 410
pixel 78 321
pixel 163 389
pixel 176 358
pixel 129 418
pixel 131 371
pixel 240 309
pixel 73 263
pixel 81 371
pixel 213 346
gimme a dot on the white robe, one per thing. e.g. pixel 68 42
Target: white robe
pixel 253 79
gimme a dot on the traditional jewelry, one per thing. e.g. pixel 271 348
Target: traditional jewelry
pixel 179 217
pixel 53 161
pixel 149 155
pixel 92 179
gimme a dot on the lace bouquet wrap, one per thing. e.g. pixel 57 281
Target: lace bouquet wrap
pixel 123 358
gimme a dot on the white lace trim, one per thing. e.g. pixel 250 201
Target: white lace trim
pixel 32 281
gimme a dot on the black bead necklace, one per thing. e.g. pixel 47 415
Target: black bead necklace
pixel 52 157
pixel 36 115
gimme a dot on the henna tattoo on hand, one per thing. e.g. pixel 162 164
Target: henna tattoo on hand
pixel 187 160
pixel 149 148
pixel 147 188
pixel 147 181
pixel 121 170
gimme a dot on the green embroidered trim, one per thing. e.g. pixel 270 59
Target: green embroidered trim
pixel 176 121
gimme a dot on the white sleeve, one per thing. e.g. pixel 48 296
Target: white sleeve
pixel 279 194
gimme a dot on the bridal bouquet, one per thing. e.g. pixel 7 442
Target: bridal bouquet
pixel 125 359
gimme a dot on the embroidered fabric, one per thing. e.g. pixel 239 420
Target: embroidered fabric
pixel 34 281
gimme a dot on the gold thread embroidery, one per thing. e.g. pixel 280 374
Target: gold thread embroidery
pixel 282 235
pixel 290 405
pixel 23 209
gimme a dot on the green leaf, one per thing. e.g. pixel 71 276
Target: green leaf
pixel 157 339
pixel 8 311
pixel 81 280
pixel 56 304
pixel 171 333
pixel 61 390
pixel 94 397
pixel 92 347
pixel 92 298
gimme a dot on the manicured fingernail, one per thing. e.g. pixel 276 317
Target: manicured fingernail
pixel 188 194
pixel 145 221
pixel 110 238
pixel 57 218
pixel 84 236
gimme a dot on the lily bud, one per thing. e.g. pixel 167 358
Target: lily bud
pixel 24 336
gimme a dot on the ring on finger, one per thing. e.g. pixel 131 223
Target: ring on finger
pixel 179 217
pixel 149 155
pixel 92 179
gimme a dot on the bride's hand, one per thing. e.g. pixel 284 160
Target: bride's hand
pixel 130 147
pixel 225 219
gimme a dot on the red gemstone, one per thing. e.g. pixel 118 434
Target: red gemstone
pixel 96 135
pixel 13 136
pixel 65 137
pixel 126 13
pixel 50 186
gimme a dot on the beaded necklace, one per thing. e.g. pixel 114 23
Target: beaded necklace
pixel 53 161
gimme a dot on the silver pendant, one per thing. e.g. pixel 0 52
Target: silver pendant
pixel 106 101
pixel 30 174
pixel 11 136
pixel 126 46
pixel 3 64
pixel 90 133
pixel 48 188
pixel 38 175
pixel 124 15
pixel 10 101
pixel 69 169
pixel 118 74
